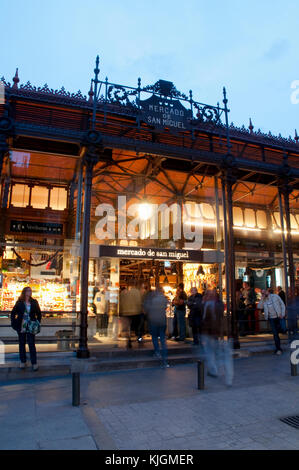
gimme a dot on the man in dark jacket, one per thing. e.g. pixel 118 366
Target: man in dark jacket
pixel 250 305
pixel 194 304
pixel 154 306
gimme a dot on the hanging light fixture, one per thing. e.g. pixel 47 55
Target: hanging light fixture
pixel 162 271
pixel 200 271
pixel 174 269
pixel 18 263
pixel 247 271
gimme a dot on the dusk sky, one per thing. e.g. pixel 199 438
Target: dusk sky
pixel 250 47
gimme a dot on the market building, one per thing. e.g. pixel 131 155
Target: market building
pixel 143 184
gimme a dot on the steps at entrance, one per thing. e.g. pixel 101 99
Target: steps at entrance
pixel 113 359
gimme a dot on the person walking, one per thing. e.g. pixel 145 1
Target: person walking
pixel 281 294
pixel 154 306
pixel 24 316
pixel 194 304
pixel 180 302
pixel 250 304
pixel 240 302
pixel 274 311
pixel 129 308
pixel 217 352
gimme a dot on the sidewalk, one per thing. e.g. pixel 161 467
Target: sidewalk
pixel 119 410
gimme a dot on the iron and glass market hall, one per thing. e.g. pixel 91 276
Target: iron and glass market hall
pixel 142 184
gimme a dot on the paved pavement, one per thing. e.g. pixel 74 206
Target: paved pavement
pixel 155 409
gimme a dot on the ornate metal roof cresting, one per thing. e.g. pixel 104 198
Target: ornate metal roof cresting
pixel 160 106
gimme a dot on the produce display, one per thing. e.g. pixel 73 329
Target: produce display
pixel 51 296
pixel 207 279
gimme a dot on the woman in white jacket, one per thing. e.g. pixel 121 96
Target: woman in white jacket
pixel 274 311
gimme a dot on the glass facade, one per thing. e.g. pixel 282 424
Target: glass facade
pixel 163 213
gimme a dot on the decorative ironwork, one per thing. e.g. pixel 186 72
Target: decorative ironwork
pixel 50 91
pixel 127 100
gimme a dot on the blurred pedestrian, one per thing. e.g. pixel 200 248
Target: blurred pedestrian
pixel 194 304
pixel 217 352
pixel 139 326
pixel 293 316
pixel 25 320
pixel 129 308
pixel 242 319
pixel 154 305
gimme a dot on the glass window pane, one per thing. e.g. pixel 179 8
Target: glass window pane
pixel 238 216
pixel 249 218
pixel 207 211
pixel 294 224
pixel 58 199
pixel 261 219
pixel 20 195
pixel 39 197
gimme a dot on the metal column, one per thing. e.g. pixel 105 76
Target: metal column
pixel 218 233
pixel 283 243
pixel 83 351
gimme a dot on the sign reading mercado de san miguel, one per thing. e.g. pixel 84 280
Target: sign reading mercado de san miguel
pixel 163 254
pixel 161 112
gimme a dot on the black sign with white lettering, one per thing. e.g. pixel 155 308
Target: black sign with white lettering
pixel 160 113
pixel 43 228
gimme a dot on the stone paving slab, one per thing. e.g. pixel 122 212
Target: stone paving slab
pixel 120 410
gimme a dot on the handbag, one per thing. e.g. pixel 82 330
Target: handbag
pixel 32 326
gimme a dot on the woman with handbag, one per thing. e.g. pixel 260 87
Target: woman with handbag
pixel 25 320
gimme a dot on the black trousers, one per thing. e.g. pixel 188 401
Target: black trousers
pixel 138 325
pixel 22 347
pixel 250 312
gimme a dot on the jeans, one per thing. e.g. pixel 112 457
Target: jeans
pixel 275 325
pixel 242 321
pixel 156 332
pixel 139 325
pixel 182 323
pixel 196 333
pixel 218 354
pixel 250 313
pixel 22 347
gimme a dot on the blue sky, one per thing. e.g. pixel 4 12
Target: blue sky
pixel 251 47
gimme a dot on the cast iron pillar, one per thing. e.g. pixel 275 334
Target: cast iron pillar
pixel 93 140
pixel 285 191
pixel 228 180
pixel 283 244
pixel 6 133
